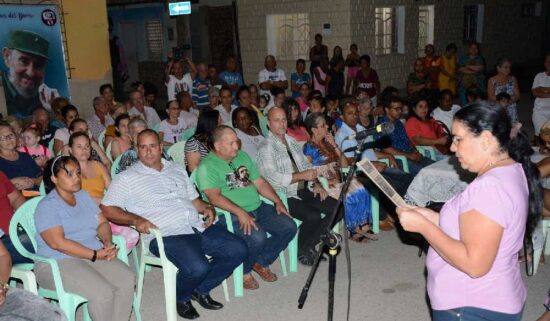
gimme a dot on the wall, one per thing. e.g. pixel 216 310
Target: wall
pixel 88 47
pixel 253 36
pixel 504 32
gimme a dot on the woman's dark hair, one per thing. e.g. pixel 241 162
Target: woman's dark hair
pixel 53 167
pixel 241 90
pixel 445 92
pixel 482 116
pixel 74 136
pixel 311 121
pixel 208 121
pixel 300 61
pixel 450 47
pixel 118 119
pixel 169 102
pixel 413 101
pixel 240 110
pixel 365 58
pixel 502 60
pixel 353 45
pixel 288 105
pixel 74 122
pixel 65 110
pixel 103 87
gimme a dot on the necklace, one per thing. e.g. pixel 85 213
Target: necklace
pixel 492 164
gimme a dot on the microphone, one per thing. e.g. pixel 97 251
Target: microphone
pixel 384 129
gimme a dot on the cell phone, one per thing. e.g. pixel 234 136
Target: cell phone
pixel 178 53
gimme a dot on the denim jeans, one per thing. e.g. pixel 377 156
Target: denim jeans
pixel 262 249
pixel 17 258
pixel 195 272
pixel 473 314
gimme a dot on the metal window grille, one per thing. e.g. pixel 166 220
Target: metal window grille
pixel 385 30
pixel 424 26
pixel 292 36
pixel 470 23
pixel 153 30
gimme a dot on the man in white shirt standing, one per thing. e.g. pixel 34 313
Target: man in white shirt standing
pixel 271 77
pixel 541 91
pixel 176 80
pixel 226 108
pixel 149 114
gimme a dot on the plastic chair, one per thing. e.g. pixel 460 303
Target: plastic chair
pixel 188 133
pixel 400 158
pixel 169 272
pixel 263 126
pixel 68 302
pixel 50 146
pixel 538 253
pixel 156 127
pixel 177 152
pixel 427 151
pixel 42 189
pixel 114 167
pixel 108 151
pixel 23 272
pixel 101 140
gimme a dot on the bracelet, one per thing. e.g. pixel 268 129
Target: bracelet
pixel 4 287
pixel 94 257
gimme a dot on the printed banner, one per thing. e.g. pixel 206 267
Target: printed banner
pixel 33 65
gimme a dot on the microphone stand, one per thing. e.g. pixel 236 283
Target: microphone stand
pixel 331 240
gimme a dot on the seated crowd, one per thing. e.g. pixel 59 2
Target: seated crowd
pixel 262 160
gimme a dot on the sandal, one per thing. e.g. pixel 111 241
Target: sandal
pixel 359 238
pixel 366 231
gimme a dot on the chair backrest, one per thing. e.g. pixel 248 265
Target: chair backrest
pixel 101 139
pixel 156 127
pixel 42 189
pixel 50 146
pixel 188 133
pixel 177 152
pixel 24 217
pixel 108 151
pixel 114 167
pixel 263 126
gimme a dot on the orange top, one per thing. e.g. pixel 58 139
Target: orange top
pixel 95 186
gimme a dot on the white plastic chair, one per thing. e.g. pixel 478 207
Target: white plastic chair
pixel 169 272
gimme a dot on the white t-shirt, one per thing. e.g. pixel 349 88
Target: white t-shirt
pixel 149 115
pixel 175 85
pixel 446 117
pixel 190 118
pixel 171 132
pixel 249 144
pixel 541 80
pixel 266 75
pixel 226 116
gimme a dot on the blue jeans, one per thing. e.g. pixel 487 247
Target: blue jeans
pixel 17 258
pixel 262 249
pixel 195 273
pixel 473 314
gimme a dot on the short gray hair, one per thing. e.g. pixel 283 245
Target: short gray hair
pixel 96 101
pixel 365 102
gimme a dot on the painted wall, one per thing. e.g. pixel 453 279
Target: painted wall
pixel 88 47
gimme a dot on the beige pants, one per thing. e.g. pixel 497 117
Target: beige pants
pixel 108 285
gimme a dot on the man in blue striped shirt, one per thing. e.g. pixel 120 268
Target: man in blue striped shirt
pixel 201 84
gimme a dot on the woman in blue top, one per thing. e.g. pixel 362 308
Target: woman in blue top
pixel 73 231
pixel 471 68
pixel 323 153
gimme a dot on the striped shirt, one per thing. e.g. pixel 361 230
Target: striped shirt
pixel 200 93
pixel 162 197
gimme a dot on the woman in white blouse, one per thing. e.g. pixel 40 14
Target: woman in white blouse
pixel 250 136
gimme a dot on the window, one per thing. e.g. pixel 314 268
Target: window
pixel 425 27
pixel 389 30
pixel 153 30
pixel 473 23
pixel 288 36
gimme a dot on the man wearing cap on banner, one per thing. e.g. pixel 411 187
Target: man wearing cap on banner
pixel 25 56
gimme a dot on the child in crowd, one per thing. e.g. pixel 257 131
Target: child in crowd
pixel 504 100
pixel 264 101
pixel 352 62
pixel 31 138
pixel 446 110
pixel 334 120
pixel 298 78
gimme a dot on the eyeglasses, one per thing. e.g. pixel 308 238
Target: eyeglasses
pixel 7 137
pixel 399 109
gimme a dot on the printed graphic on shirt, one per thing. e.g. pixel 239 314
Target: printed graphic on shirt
pixel 239 178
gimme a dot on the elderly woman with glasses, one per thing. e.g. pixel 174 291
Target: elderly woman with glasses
pixel 19 167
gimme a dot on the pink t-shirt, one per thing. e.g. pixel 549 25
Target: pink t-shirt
pixel 316 84
pixel 40 151
pixel 501 194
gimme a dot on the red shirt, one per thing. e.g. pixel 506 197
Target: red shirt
pixel 430 129
pixel 6 210
pixel 367 82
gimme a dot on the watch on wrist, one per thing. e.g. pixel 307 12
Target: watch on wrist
pixel 94 257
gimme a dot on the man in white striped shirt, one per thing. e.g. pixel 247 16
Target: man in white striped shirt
pixel 155 193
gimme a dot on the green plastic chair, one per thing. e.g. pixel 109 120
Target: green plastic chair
pixel 400 158
pixel 42 189
pixel 108 151
pixel 177 152
pixel 156 127
pixel 114 167
pixel 101 140
pixel 24 217
pixel 263 126
pixel 188 133
pixel 238 273
pixel 427 151
pixel 50 146
pixel 169 272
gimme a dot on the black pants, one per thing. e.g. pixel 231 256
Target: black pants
pixel 308 209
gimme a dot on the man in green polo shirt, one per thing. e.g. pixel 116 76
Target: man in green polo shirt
pixel 25 56
pixel 230 180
